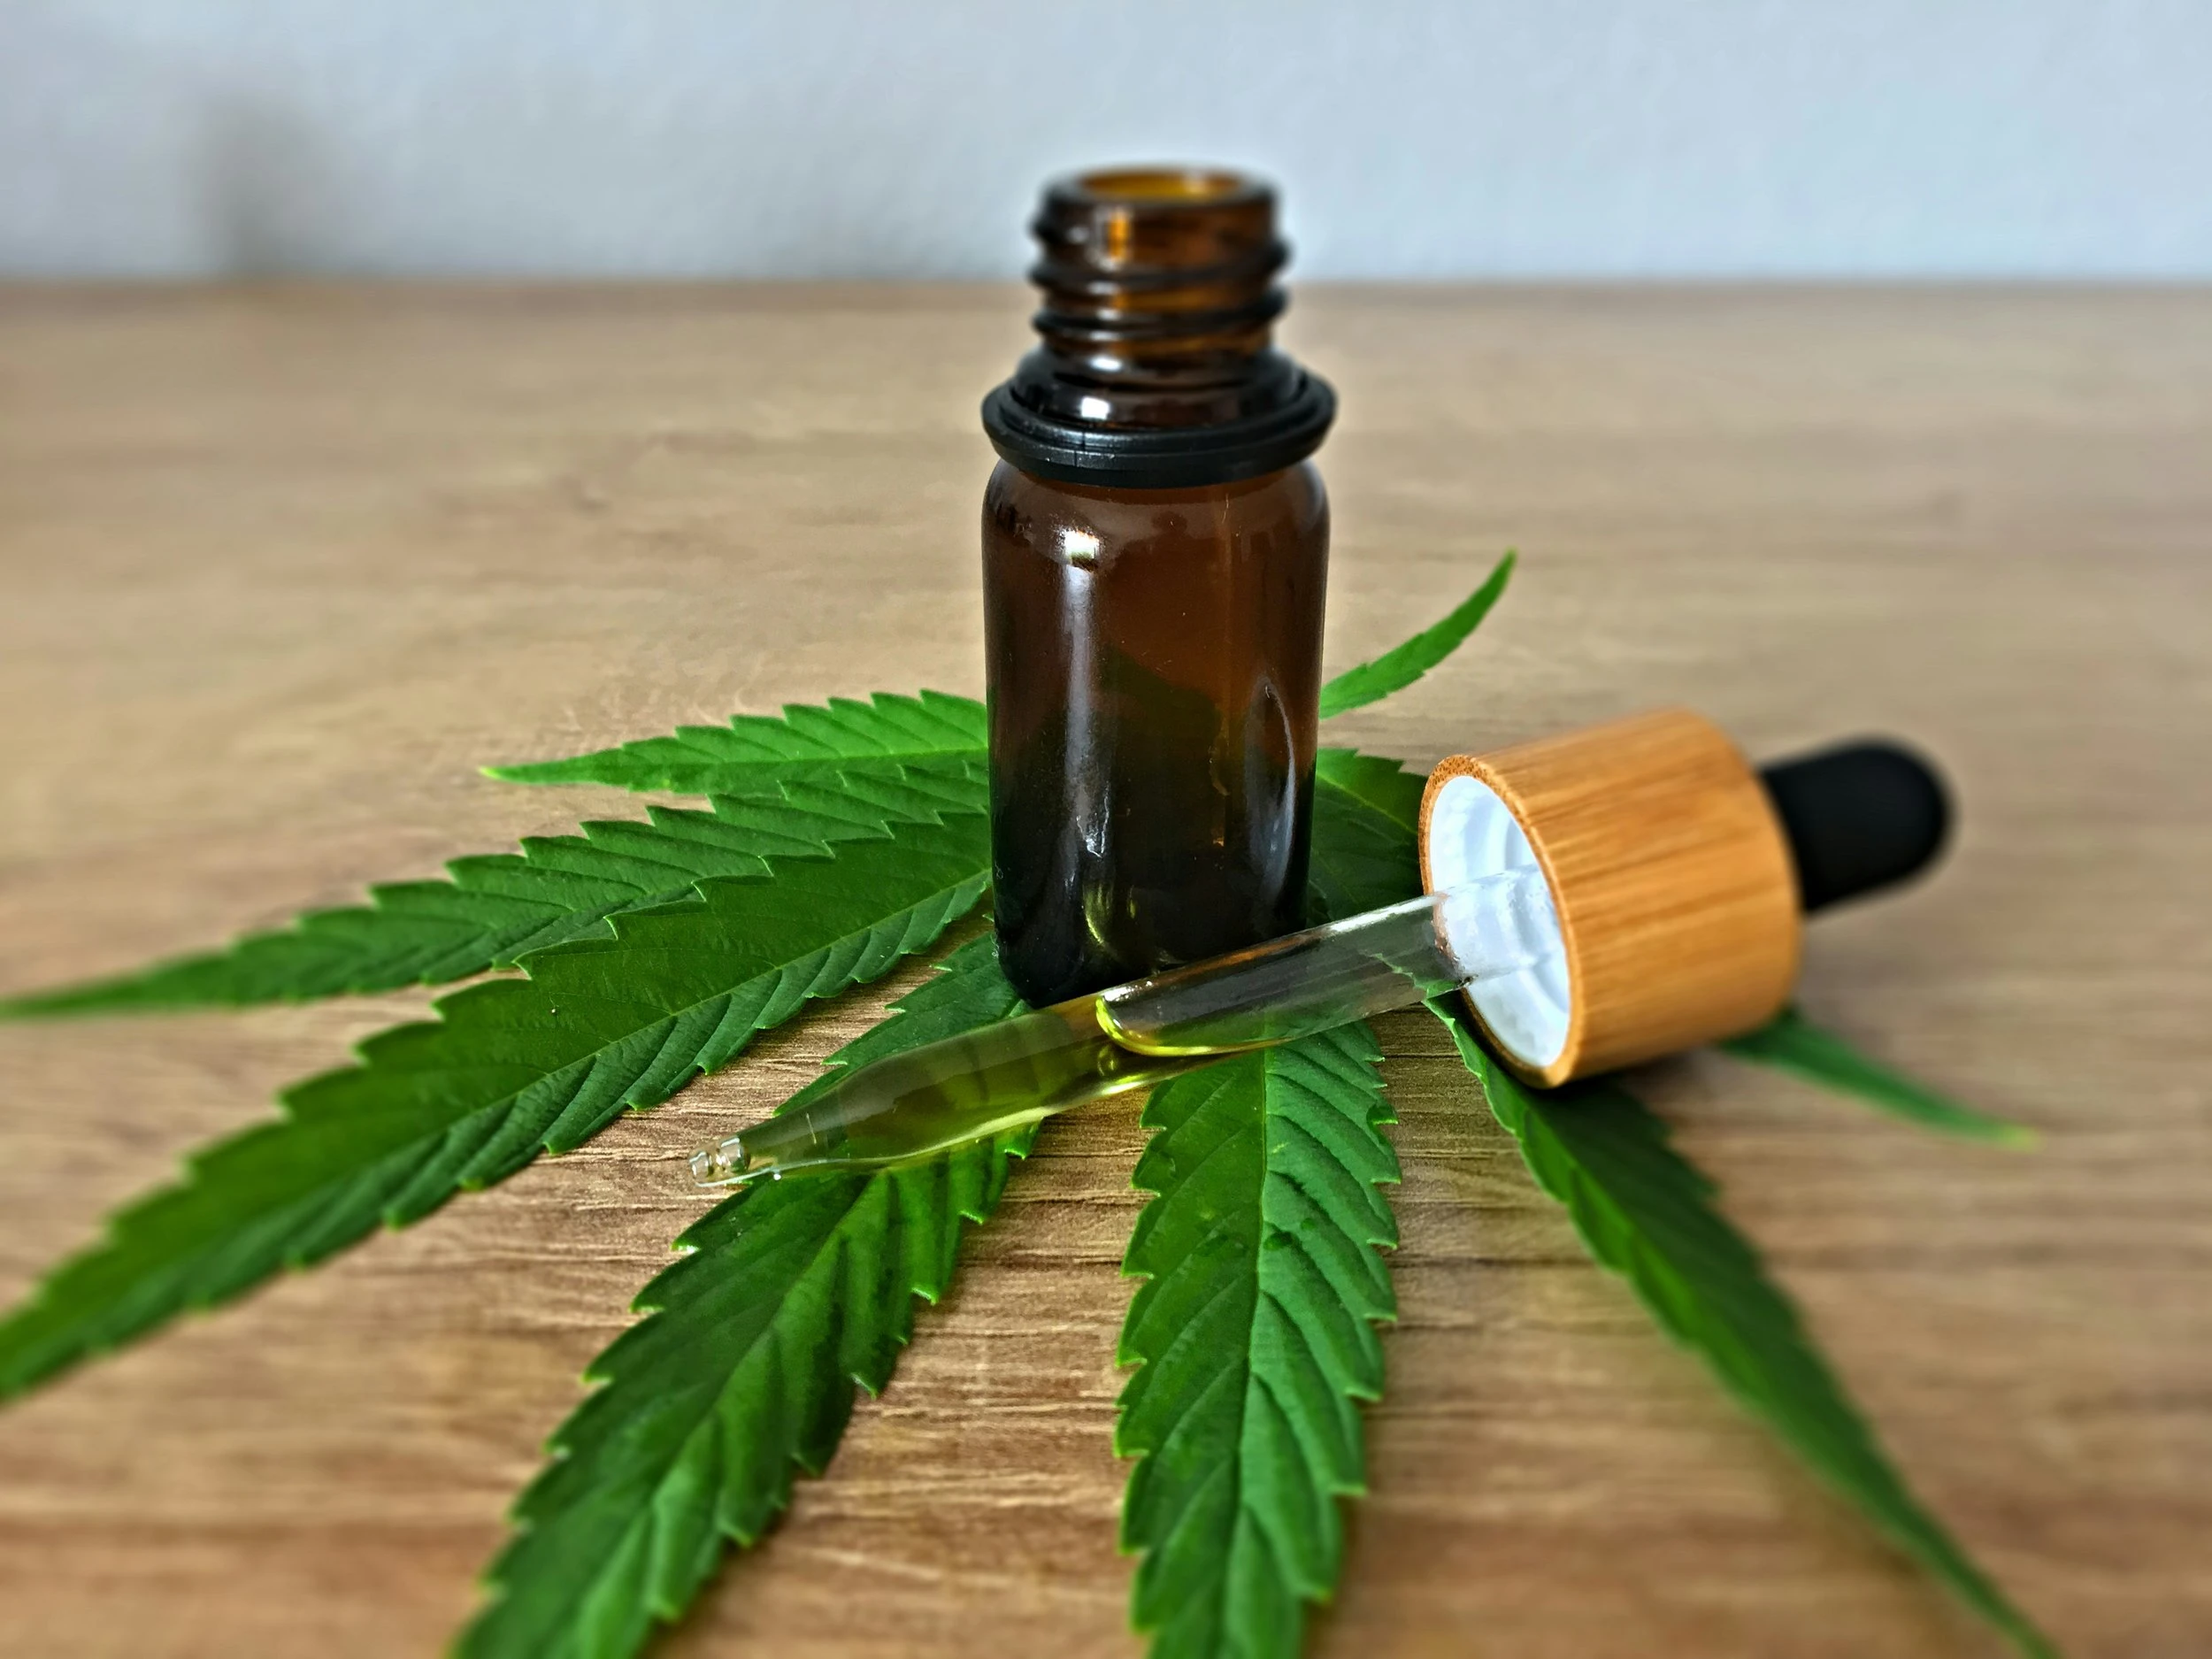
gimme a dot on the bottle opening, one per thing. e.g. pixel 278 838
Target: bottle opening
pixel 1195 185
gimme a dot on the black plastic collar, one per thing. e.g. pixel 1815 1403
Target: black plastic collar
pixel 1045 446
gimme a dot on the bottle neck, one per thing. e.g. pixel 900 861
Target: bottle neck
pixel 1156 366
pixel 1159 300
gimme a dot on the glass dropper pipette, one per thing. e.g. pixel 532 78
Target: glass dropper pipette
pixel 984 1082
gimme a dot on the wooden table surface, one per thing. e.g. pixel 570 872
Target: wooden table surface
pixel 280 568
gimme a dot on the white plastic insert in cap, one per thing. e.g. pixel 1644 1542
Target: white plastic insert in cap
pixel 1472 835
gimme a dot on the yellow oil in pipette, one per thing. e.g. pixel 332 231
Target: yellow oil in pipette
pixel 909 1105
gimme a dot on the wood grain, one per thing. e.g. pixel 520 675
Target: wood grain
pixel 280 567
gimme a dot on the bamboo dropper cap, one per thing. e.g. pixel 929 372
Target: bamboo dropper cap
pixel 1678 873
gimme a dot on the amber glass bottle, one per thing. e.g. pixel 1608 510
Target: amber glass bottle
pixel 1155 559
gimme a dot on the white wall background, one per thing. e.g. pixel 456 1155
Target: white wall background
pixel 873 138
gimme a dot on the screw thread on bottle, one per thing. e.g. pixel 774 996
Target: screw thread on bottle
pixel 1159 298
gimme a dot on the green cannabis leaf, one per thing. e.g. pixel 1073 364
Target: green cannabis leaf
pixel 1253 1333
pixel 495 908
pixel 744 1371
pixel 1376 781
pixel 600 1025
pixel 1791 1042
pixel 1646 1213
pixel 626 1527
pixel 756 754
pixel 1364 809
pixel 1395 670
pixel 840 839
pixel 594 1563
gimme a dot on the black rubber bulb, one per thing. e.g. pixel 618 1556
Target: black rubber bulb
pixel 1860 816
